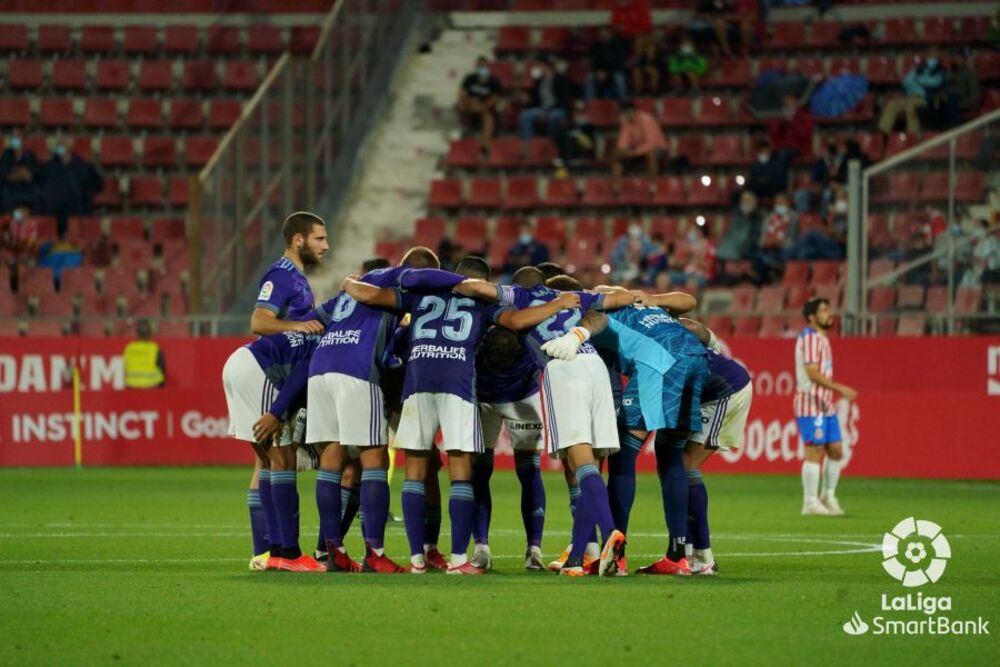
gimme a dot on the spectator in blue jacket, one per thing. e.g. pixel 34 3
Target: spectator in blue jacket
pixel 922 85
pixel 526 252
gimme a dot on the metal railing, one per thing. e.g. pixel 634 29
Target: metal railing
pixel 914 223
pixel 286 152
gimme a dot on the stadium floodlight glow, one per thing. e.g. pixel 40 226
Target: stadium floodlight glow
pixel 706 180
pixel 605 269
pixel 740 180
pixel 700 221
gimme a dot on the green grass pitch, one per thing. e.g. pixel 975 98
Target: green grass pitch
pixel 149 566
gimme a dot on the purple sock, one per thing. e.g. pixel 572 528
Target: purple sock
pixel 482 471
pixel 673 488
pixel 258 525
pixel 583 526
pixel 350 501
pixel 328 504
pixel 270 516
pixel 375 505
pixel 285 496
pixel 461 511
pixel 594 495
pixel 415 514
pixel 698 535
pixel 529 473
pixel 621 479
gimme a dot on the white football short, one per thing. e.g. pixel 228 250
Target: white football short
pixel 523 420
pixel 423 413
pixel 577 406
pixel 723 421
pixel 249 393
pixel 346 410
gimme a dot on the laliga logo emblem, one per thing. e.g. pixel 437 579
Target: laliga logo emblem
pixel 915 552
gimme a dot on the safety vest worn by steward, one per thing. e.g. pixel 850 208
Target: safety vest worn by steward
pixel 141 371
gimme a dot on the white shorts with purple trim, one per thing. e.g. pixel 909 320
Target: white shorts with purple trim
pixel 346 410
pixel 577 406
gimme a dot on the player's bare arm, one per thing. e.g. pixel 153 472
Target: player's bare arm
pixel 812 370
pixel 382 297
pixel 526 318
pixel 478 289
pixel 673 302
pixel 264 322
pixel 616 300
pixel 698 329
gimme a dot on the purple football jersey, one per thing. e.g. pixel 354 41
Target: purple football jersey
pixel 285 291
pixel 553 327
pixel 445 331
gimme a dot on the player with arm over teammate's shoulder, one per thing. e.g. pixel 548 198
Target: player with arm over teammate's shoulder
pixel 440 390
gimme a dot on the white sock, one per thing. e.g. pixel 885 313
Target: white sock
pixel 379 551
pixel 705 555
pixel 689 550
pixel 430 547
pixel 810 480
pixel 458 560
pixel 417 561
pixel 593 550
pixel 831 475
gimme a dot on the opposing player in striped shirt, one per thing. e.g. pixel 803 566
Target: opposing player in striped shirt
pixel 815 411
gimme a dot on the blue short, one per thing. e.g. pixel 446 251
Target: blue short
pixel 672 401
pixel 819 430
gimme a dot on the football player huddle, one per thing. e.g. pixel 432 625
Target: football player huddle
pixel 405 353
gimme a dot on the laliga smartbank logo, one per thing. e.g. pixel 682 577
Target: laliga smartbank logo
pixel 915 552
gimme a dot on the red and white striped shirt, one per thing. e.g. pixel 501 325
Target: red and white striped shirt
pixel 812 400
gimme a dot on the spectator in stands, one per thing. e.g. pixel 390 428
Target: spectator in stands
pixel 743 234
pixel 575 141
pixel 962 93
pixel 815 194
pixel 633 21
pixel 646 68
pixel 769 173
pixel 68 185
pixel 828 241
pixel 984 268
pixel 18 241
pixel 630 254
pixel 792 135
pixel 548 101
pixel 686 66
pixel 780 228
pixel 18 175
pixel 145 367
pixel 710 26
pixel 608 58
pixel 693 262
pixel 639 138
pixel 477 101
pixel 922 85
pixel 526 252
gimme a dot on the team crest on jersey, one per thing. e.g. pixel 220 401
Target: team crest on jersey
pixel 265 291
pixel 818 434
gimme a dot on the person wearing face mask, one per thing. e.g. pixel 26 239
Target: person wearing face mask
pixel 741 237
pixel 548 101
pixel 608 56
pixel 829 241
pixel 68 185
pixel 686 67
pixel 639 138
pixel 18 173
pixel 526 252
pixel 577 140
pixel 769 172
pixel 777 235
pixel 477 101
pixel 792 134
pixel 922 85
pixel 630 254
pixel 824 169
pixel 18 241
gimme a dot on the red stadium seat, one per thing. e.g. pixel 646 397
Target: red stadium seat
pixel 15 111
pixel 470 234
pixel 988 65
pixel 100 112
pixel 484 192
pixel 167 229
pixel 97 39
pixel 561 192
pixel 13 37
pixel 144 113
pixel 771 299
pixel 677 112
pixel 522 192
pixel 56 112
pixel 552 39
pixel 900 31
pixel 265 39
pixel 746 327
pixel 241 75
pixel 56 305
pixel 513 39
pixel 881 299
pixel 222 114
pixel 825 34
pixel 83 230
pixel 24 74
pixel 69 75
pixel 797 297
pixel 706 191
pixel 721 325
pixel 54 38
pixel 845 65
pixel 46 328
pixel 602 112
pixel 732 73
pixel 825 273
pixel 110 194
pixel 910 296
pixel 635 192
pixel 810 67
pixel 146 191
pixel 691 146
pixel 911 325
pixel 200 75
pixel 773 326
pixel 970 186
pixel 967 300
pixel 744 300
pixel 180 39
pixel 223 40
pixel 796 273
pixel 831 293
pixel 541 152
pixel 939 30
pixel 786 35
pixel 140 39
pixel 39 282
pixel 179 191
pixel 551 230
pixel 882 70
pixel 112 75
pixel 185 114
pixel 159 152
pixel 117 151
pixel 935 187
pixel 505 153
pixel 667 227
pixel 669 191
pixel 715 110
pixel 78 280
pixel 463 153
pixel 92 328
pixel 597 192
pixel 199 150
pixel 727 149
pixel 303 38
pixel 503 70
pixel 429 232
pixel 126 228
pixel 446 193
pixel 156 75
